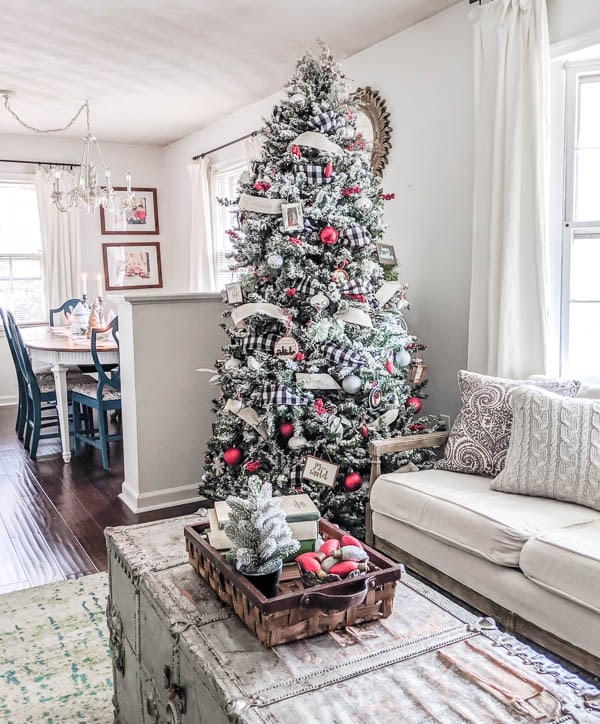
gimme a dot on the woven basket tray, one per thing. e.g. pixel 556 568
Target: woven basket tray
pixel 296 612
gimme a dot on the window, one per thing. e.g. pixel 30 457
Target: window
pixel 580 313
pixel 224 183
pixel 21 287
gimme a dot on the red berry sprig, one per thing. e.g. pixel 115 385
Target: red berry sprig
pixel 252 465
pixel 291 292
pixel 262 186
pixel 387 197
pixel 351 190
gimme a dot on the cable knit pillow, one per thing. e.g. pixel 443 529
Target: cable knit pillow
pixel 479 437
pixel 554 449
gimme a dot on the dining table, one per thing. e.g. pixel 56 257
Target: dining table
pixel 57 347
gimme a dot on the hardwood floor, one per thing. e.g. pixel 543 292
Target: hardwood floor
pixel 53 515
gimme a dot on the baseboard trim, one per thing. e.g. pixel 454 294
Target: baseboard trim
pixel 6 400
pixel 157 499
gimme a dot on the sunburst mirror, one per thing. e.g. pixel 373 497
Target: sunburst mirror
pixel 374 123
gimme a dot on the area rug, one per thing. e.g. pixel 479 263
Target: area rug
pixel 55 662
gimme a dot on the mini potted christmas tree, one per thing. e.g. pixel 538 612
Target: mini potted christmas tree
pixel 260 535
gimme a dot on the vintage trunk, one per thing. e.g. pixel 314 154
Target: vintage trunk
pixel 180 655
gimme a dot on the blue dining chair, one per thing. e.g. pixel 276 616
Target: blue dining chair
pixel 65 308
pixel 40 410
pixel 22 406
pixel 103 396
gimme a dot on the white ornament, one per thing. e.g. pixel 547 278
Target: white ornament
pixel 232 364
pixel 348 132
pixel 319 302
pixel 275 261
pixel 286 348
pixel 297 442
pixel 363 203
pixel 403 358
pixel 252 363
pixel 298 99
pixel 351 384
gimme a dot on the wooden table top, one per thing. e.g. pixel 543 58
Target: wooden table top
pixel 58 339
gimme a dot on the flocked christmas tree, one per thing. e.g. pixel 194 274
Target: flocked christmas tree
pixel 320 360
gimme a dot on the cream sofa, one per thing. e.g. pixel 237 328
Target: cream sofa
pixel 532 563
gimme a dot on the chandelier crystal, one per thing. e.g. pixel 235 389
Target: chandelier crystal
pixel 88 194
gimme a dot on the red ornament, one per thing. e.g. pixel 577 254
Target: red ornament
pixel 252 466
pixel 296 151
pixel 329 235
pixel 286 429
pixel 233 456
pixel 328 170
pixel 295 240
pixel 389 365
pixel 262 186
pixel 417 427
pixel 299 356
pixel 353 481
pixel 350 540
pixel 415 403
pixel 291 292
pixel 364 431
pixel 319 406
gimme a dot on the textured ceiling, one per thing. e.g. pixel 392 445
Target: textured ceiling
pixel 156 70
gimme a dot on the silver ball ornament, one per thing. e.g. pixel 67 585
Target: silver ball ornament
pixel 351 384
pixel 363 203
pixel 403 358
pixel 275 261
pixel 298 99
pixel 297 442
pixel 232 364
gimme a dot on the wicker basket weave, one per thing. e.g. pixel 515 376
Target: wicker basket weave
pixel 297 612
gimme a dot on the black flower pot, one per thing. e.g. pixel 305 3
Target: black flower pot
pixel 267 583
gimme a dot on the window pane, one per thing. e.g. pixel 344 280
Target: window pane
pixel 585 263
pixel 19 219
pixel 589 114
pixel 587 185
pixel 584 341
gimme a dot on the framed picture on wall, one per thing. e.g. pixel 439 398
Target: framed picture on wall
pixel 132 266
pixel 140 218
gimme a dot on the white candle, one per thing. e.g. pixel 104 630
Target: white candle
pixel 84 283
pixel 99 280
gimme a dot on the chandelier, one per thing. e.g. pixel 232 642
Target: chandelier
pixel 88 193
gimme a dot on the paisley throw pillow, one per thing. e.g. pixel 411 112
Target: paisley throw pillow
pixel 480 435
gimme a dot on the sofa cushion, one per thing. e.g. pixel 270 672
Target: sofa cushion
pixel 566 561
pixel 480 434
pixel 462 511
pixel 554 449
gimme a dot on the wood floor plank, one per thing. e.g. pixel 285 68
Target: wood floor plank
pixel 54 513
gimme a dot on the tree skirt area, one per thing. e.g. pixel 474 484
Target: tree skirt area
pixel 55 662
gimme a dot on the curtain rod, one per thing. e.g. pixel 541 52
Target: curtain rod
pixel 42 163
pixel 230 143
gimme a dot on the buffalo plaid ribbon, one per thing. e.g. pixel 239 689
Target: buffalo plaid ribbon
pixel 280 395
pixel 315 174
pixel 295 476
pixel 341 355
pixel 357 286
pixel 259 342
pixel 326 122
pixel 307 285
pixel 357 236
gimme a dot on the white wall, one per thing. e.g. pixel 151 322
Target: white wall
pixel 568 19
pixel 145 164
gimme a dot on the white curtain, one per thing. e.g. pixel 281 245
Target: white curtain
pixel 60 240
pixel 253 148
pixel 202 254
pixel 508 310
